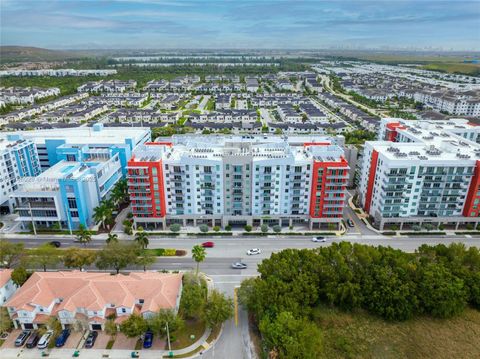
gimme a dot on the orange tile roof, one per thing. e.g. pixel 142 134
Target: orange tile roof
pixel 41 318
pixel 94 291
pixel 5 275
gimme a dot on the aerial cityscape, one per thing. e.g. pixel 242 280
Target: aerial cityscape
pixel 239 180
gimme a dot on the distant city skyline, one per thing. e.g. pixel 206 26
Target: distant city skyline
pixel 169 24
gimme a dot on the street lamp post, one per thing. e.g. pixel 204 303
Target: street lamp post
pixel 170 354
pixel 31 216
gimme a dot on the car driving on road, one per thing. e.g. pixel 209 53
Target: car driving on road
pixel 208 244
pixel 239 265
pixel 350 223
pixel 253 251
pixel 319 239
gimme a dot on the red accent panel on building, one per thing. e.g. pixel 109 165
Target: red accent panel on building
pixel 473 194
pixel 320 198
pixel 371 180
pixel 152 195
pixel 392 127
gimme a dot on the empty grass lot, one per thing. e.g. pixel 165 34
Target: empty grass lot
pixel 361 335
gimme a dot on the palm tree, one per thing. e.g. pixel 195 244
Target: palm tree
pixel 100 214
pixel 119 193
pixel 84 236
pixel 198 254
pixel 112 237
pixel 141 237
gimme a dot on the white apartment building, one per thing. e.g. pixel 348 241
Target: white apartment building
pixel 423 172
pixel 235 180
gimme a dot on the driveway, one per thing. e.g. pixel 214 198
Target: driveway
pixel 73 340
pixel 102 340
pixel 123 342
pixel 10 341
pixel 158 343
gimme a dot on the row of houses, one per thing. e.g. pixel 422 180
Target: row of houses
pixel 25 95
pixel 57 72
pixel 108 86
pixel 87 298
pixel 141 116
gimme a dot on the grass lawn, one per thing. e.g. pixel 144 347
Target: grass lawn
pixel 360 335
pixel 192 326
pixel 214 334
pixel 110 343
pixel 469 69
pixel 1 342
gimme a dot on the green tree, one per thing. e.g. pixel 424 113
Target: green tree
pixel 119 193
pixel 264 228
pixel 175 228
pixel 134 326
pixel 111 327
pixel 5 321
pixel 145 259
pixel 20 276
pixel 46 256
pixel 290 337
pixel 203 228
pixel 117 256
pixel 277 228
pixel 218 308
pixel 112 237
pixel 198 254
pixel 442 294
pixel 194 296
pixel 247 228
pixel 84 236
pixel 158 322
pixel 141 238
pixel 11 253
pixel 78 258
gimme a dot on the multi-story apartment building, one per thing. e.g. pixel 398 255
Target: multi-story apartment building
pixel 18 158
pixel 67 193
pixel 422 172
pixel 91 298
pixel 121 139
pixel 235 180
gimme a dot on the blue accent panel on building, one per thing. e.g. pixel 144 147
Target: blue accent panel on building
pixel 124 154
pixel 51 145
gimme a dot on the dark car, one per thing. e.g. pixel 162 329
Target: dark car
pixel 208 244
pixel 92 336
pixel 22 338
pixel 56 244
pixel 350 223
pixel 33 340
pixel 62 338
pixel 148 340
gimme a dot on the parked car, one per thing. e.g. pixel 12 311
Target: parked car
pixel 22 338
pixel 319 239
pixel 239 265
pixel 33 340
pixel 253 251
pixel 208 244
pixel 350 223
pixel 62 338
pixel 56 244
pixel 92 336
pixel 148 340
pixel 45 339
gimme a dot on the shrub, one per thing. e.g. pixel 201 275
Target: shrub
pixel 394 227
pixel 175 228
pixel 130 215
pixel 203 228
pixel 228 227
pixel 469 226
pixel 441 227
pixel 247 228
pixel 180 252
pixel 170 252
pixel 416 228
pixel 264 228
pixel 216 228
pixel 290 227
pixel 277 228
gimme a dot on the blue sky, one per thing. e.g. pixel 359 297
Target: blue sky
pixel 451 25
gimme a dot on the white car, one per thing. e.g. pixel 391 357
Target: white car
pixel 45 339
pixel 319 239
pixel 253 251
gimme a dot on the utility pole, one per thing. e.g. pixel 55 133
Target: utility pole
pixel 31 216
